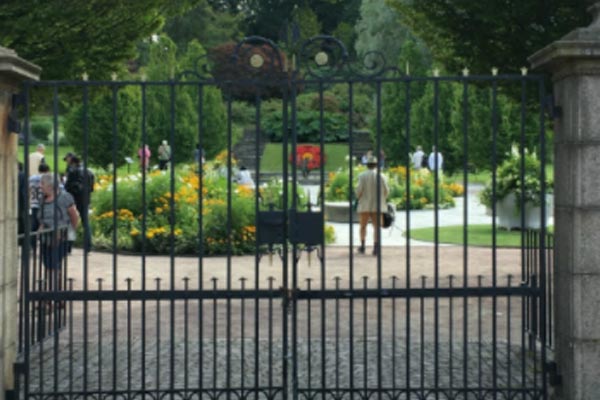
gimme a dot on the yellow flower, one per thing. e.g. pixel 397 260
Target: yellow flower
pixel 134 232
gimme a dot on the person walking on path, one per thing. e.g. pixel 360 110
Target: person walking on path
pixel 417 158
pixel 436 160
pixel 368 206
pixel 35 159
pixel 164 155
pixel 144 154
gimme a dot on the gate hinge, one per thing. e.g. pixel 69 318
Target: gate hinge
pixel 554 378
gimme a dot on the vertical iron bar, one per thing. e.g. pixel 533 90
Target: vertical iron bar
pixel 479 337
pixel 55 273
pixel 26 250
pixel 115 144
pixel 200 240
pixel 323 272
pixel 128 281
pixel 394 279
pixel 309 336
pixel 465 131
pixel 243 337
pixel 365 337
pixel 85 258
pixel 172 240
pixel 542 235
pixel 99 280
pixel 158 362
pixel 436 217
pixel 494 242
pixel 337 333
pixel 351 238
pixel 70 325
pixel 377 247
pixel 407 111
pixel 422 336
pixel 186 336
pixel 270 330
pixel 214 338
pixel 257 246
pixel 508 335
pixel 229 242
pixel 450 333
pixel 143 234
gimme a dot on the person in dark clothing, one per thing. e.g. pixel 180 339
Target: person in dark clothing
pixel 80 184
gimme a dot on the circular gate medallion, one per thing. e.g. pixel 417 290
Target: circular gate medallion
pixel 257 60
pixel 321 58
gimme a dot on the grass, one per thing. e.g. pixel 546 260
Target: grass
pixel 335 154
pixel 478 235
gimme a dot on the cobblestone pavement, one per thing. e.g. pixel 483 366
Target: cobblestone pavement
pixel 171 331
pixel 319 365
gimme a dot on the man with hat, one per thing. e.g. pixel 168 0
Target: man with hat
pixel 371 202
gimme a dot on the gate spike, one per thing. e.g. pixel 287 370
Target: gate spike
pixel 436 72
pixel 465 71
pixel 85 76
pixel 524 71
pixel 495 71
pixel 113 76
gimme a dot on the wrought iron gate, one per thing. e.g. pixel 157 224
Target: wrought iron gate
pixel 297 318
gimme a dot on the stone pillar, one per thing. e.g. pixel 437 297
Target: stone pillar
pixel 574 62
pixel 12 71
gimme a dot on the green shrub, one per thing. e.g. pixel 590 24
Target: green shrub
pixel 41 129
pixel 308 126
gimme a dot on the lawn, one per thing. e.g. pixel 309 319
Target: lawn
pixel 478 235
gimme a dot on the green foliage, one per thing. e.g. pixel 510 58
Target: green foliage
pixel 308 127
pixel 94 36
pixel 163 63
pixel 466 32
pixel 101 141
pixel 394 101
pixel 40 129
pixel 204 24
pixel 379 29
pixel 508 180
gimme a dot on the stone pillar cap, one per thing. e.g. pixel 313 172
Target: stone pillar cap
pixel 16 68
pixel 581 43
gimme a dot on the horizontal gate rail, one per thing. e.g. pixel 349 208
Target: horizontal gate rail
pixel 299 294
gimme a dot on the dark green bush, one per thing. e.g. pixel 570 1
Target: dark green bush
pixel 308 126
pixel 40 129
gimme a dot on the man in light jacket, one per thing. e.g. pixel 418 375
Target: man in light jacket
pixel 368 206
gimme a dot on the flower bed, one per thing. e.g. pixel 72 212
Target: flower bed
pixel 148 228
pixel 308 157
pixel 422 188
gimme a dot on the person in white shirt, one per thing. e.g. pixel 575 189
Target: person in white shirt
pixel 244 177
pixel 417 158
pixel 432 160
pixel 35 159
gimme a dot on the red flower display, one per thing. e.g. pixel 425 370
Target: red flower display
pixel 308 157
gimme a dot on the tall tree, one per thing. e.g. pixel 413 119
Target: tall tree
pixel 379 29
pixel 67 38
pixel 208 26
pixel 489 33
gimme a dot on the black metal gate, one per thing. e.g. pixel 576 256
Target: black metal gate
pixel 297 318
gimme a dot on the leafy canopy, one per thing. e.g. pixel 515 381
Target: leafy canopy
pixel 67 38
